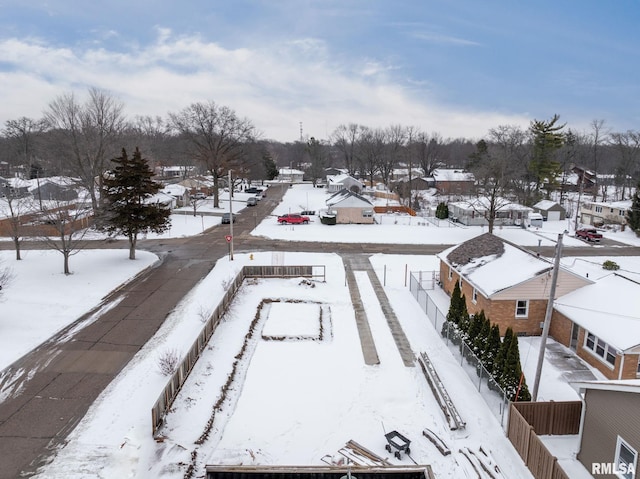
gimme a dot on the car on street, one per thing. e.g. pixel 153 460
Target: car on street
pixel 252 201
pixel 253 189
pixel 199 196
pixel 293 219
pixel 588 234
pixel 226 218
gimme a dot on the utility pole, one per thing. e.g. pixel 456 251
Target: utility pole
pixel 547 318
pixel 230 217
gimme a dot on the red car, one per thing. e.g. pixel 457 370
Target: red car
pixel 293 219
pixel 588 234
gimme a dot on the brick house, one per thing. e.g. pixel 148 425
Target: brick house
pixel 510 284
pixel 601 323
pixel 457 182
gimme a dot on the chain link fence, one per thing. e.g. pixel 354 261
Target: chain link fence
pixel 420 283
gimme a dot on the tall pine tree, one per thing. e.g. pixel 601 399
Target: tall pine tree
pixel 502 354
pixel 492 348
pixel 633 215
pixel 455 306
pixel 512 380
pixel 127 209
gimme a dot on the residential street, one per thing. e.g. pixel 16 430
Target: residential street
pixel 53 386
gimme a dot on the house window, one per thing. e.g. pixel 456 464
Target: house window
pixel 598 209
pixel 367 213
pixel 638 367
pixel 474 296
pixel 605 351
pixel 522 308
pixel 625 460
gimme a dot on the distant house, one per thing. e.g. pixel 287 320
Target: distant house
pixel 601 323
pixel 332 171
pixel 453 181
pixel 610 429
pixel 343 182
pixel 175 171
pixel 596 213
pixel 475 212
pixel 510 284
pixel 350 208
pixel 417 183
pixel 586 179
pixel 179 192
pixel 164 199
pixel 290 174
pixel 550 210
pixel 53 189
pixel 198 184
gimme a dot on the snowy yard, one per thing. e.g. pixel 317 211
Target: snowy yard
pixel 300 395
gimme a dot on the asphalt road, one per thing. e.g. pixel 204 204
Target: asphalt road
pixel 50 389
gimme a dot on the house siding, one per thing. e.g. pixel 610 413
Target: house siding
pixel 348 215
pixel 608 414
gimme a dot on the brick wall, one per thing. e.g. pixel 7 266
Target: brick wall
pixel 560 329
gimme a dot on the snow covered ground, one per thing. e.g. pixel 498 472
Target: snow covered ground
pixel 296 400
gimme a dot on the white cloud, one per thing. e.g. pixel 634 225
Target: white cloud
pixel 277 86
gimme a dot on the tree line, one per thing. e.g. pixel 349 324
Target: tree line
pixel 78 137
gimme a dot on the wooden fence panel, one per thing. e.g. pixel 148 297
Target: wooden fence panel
pixel 539 460
pixel 519 431
pixel 554 418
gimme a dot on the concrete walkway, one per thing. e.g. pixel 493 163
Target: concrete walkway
pixel 360 262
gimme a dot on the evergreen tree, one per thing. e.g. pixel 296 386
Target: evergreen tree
pixel 547 138
pixel 475 327
pixel 455 306
pixel 492 348
pixel 480 341
pixel 270 167
pixel 464 322
pixel 633 215
pixel 126 191
pixel 442 211
pixel 498 365
pixel 512 380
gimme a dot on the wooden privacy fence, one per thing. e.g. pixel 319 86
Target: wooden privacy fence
pixel 563 417
pixel 171 390
pixel 394 209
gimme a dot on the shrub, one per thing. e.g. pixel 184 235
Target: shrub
pixel 168 361
pixel 610 265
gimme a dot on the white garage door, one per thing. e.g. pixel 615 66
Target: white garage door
pixel 553 215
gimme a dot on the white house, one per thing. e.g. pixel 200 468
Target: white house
pixel 350 208
pixel 290 174
pixel 475 212
pixel 343 182
pixel 601 213
pixel 179 192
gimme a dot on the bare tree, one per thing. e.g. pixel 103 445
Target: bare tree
pixel 394 139
pixel 63 225
pixel 17 207
pixel 23 134
pixel 216 137
pixel 598 136
pixel 371 147
pixel 345 139
pixel 428 148
pixel 86 134
pixel 628 146
pixel 6 275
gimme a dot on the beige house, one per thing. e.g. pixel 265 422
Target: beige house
pixel 610 429
pixel 510 284
pixel 350 208
pixel 598 213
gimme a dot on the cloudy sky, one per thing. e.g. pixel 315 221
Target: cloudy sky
pixel 456 67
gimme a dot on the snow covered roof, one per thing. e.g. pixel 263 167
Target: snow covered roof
pixel 545 204
pixel 482 203
pixel 174 190
pixel 445 174
pixel 492 265
pixel 609 308
pixel 337 179
pixel 290 171
pixel 621 205
pixel 353 199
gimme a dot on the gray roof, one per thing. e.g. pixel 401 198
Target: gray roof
pixel 484 245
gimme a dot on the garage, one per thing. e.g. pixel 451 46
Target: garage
pixel 553 215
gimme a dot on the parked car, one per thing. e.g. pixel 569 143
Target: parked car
pixel 253 189
pixel 588 234
pixel 293 219
pixel 199 196
pixel 253 201
pixel 226 218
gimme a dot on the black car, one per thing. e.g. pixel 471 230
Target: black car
pixel 226 218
